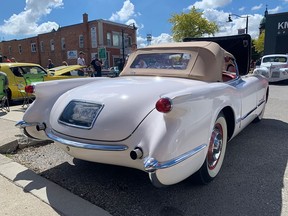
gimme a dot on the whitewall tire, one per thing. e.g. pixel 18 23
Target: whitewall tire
pixel 216 151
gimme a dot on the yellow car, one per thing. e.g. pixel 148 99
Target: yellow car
pixel 17 82
pixel 67 71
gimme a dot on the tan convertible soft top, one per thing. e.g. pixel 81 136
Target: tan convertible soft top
pixel 206 62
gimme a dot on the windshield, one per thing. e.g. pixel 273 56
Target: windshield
pixel 20 70
pixel 280 59
pixel 178 61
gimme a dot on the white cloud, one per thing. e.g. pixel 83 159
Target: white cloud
pixel 220 18
pixel 231 28
pixel 257 7
pixel 25 23
pixel 203 4
pixel 242 9
pixel 132 22
pixel 124 13
pixel 162 38
pixel 274 10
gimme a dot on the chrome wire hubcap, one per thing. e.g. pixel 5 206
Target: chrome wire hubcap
pixel 215 147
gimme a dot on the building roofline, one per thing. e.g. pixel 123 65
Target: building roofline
pixel 277 14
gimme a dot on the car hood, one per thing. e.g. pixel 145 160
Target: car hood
pixel 125 101
pixel 63 69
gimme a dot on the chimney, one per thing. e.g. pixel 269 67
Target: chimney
pixel 85 18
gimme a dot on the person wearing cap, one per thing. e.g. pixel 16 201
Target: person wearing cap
pixel 13 59
pixel 81 61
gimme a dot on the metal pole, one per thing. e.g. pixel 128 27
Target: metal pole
pixel 247 24
pixel 123 46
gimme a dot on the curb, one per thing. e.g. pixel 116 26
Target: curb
pixel 61 200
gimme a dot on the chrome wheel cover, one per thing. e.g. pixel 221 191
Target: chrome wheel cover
pixel 215 147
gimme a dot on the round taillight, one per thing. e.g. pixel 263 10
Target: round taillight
pixel 29 89
pixel 164 105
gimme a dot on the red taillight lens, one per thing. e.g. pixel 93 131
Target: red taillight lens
pixel 29 89
pixel 164 105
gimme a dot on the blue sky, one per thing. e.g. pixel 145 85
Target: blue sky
pixel 21 19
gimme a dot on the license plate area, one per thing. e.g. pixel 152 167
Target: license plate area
pixel 80 114
pixel 275 74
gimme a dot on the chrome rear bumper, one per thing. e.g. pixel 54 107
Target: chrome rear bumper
pixel 91 146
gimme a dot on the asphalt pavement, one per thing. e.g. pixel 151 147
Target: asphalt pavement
pixel 23 192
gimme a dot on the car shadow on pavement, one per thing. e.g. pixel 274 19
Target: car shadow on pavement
pixel 250 182
pixel 280 83
pixel 2 113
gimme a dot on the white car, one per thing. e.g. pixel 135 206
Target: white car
pixel 273 67
pixel 170 113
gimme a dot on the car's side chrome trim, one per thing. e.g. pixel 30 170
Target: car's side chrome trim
pixel 245 116
pixel 91 146
pixel 151 164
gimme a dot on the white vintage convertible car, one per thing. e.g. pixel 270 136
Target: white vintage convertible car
pixel 170 113
pixel 273 67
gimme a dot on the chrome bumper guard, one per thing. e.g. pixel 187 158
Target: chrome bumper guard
pixel 151 164
pixel 23 138
pixel 22 124
pixel 90 146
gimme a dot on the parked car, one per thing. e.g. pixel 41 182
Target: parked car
pixel 273 67
pixel 111 72
pixel 170 113
pixel 17 83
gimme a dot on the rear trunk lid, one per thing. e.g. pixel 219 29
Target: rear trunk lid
pixel 111 109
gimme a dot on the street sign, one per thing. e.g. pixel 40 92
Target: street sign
pixel 102 53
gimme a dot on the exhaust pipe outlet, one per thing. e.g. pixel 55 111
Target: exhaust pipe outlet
pixel 41 126
pixel 137 153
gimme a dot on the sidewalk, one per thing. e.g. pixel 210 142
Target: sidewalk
pixel 25 193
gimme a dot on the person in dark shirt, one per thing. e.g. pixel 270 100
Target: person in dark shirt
pixel 120 65
pixel 97 65
pixel 50 64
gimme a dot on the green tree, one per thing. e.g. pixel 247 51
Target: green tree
pixel 191 24
pixel 259 43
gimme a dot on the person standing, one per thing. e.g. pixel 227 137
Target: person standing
pixel 120 65
pixel 13 60
pixel 64 63
pixel 81 61
pixel 133 47
pixel 6 59
pixel 50 64
pixel 97 66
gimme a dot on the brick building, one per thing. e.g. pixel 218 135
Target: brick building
pixel 101 38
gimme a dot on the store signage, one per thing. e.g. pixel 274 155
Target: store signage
pixel 282 25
